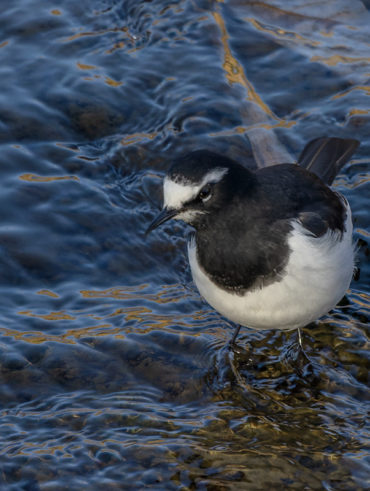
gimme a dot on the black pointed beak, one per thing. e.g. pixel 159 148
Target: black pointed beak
pixel 164 215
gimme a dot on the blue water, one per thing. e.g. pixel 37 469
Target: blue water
pixel 114 374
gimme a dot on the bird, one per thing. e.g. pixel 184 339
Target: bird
pixel 271 248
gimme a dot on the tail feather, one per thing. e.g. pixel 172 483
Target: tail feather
pixel 326 156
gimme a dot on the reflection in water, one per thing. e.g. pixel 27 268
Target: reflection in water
pixel 336 59
pixel 112 368
pixel 234 70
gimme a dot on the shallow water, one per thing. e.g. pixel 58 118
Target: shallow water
pixel 114 373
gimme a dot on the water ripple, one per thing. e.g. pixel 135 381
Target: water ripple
pixel 113 370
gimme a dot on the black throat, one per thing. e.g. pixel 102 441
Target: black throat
pixel 241 245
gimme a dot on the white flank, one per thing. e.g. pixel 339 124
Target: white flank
pixel 176 194
pixel 318 273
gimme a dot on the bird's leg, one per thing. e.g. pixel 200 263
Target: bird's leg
pixel 300 338
pixel 236 332
pixel 302 352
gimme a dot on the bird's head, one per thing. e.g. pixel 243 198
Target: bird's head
pixel 197 186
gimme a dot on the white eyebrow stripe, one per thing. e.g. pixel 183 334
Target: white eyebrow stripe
pixel 176 194
pixel 214 175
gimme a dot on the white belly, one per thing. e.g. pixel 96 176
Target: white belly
pixel 318 273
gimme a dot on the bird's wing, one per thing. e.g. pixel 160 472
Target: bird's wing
pixel 313 223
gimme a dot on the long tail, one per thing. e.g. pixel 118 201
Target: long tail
pixel 326 156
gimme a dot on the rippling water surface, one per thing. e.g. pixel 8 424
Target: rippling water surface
pixel 114 374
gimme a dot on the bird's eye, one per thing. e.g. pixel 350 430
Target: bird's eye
pixel 205 192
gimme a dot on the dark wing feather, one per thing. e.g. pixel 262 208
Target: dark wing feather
pixel 326 156
pixel 313 223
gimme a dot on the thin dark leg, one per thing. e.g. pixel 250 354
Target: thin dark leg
pixel 300 338
pixel 301 349
pixel 236 332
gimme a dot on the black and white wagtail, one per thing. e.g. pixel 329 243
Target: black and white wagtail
pixel 272 248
